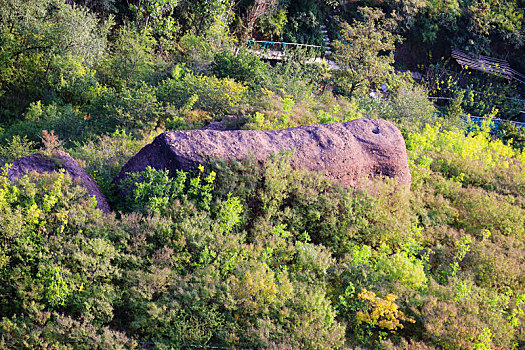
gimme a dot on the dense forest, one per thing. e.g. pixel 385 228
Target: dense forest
pixel 238 255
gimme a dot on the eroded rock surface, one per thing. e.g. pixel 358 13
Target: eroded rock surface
pixel 344 152
pixel 60 160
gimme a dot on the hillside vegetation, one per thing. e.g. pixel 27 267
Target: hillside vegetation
pixel 242 256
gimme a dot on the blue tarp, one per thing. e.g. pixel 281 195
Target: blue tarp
pixel 495 123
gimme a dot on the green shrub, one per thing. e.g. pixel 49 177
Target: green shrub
pixel 296 79
pixel 132 60
pixel 70 81
pixel 273 121
pixel 495 263
pixel 66 121
pixel 333 216
pixel 410 103
pixel 152 189
pixel 497 213
pixel 15 148
pixel 72 271
pixel 214 95
pixel 243 67
pixel 230 213
pixel 312 262
pixel 314 325
pixel 186 117
pixel 400 268
pixel 456 323
pixel 44 329
pixel 133 108
pixel 104 156
pixel 198 53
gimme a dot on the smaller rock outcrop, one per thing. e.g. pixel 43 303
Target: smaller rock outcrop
pixel 60 160
pixel 344 152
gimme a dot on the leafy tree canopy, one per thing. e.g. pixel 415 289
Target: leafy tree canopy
pixel 365 52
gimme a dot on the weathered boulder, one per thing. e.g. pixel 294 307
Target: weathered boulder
pixel 60 160
pixel 344 152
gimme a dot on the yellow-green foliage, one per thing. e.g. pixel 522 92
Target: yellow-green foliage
pixel 334 115
pixel 473 158
pixel 259 288
pixel 401 268
pixel 8 193
pixel 72 81
pixel 379 312
pixel 276 111
pixel 214 94
pixel 475 145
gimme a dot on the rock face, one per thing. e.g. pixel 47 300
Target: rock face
pixel 61 160
pixel 345 152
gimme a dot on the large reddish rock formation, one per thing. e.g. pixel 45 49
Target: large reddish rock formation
pixel 60 160
pixel 345 152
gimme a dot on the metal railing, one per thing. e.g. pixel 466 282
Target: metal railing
pixel 281 44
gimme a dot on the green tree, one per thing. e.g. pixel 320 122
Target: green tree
pixel 132 108
pixel 305 18
pixel 406 11
pixel 131 60
pixel 365 53
pixel 35 36
pixel 243 67
pixel 101 7
pixel 156 15
pixel 490 21
pixel 477 26
pixel 200 16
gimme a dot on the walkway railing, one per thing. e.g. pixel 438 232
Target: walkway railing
pixel 277 50
pixel 280 44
